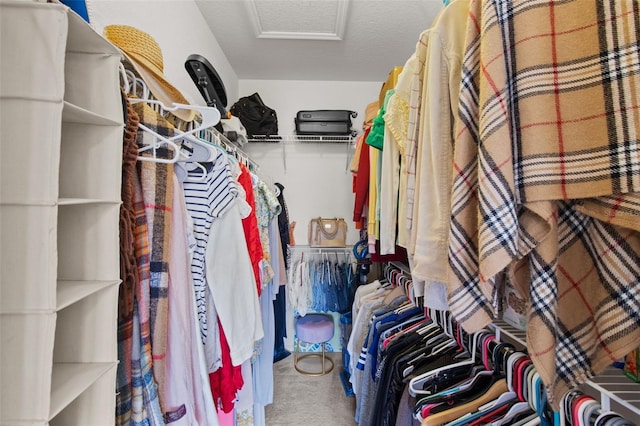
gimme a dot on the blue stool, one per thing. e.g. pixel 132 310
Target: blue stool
pixel 314 328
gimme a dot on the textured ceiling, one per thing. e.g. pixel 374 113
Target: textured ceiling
pixel 377 35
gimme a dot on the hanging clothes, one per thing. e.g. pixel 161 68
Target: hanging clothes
pixel 519 211
pixel 389 186
pixel 157 193
pixel 440 93
pixel 267 208
pixel 413 126
pixel 188 403
pixel 321 284
pixel 207 200
pixel 145 402
pixel 397 123
pixel 226 380
pixel 540 179
pixel 361 181
pixel 232 283
pixel 250 226
pixel 263 365
pixel 280 279
pixel 128 267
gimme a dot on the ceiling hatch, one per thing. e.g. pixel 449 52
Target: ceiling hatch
pixel 299 19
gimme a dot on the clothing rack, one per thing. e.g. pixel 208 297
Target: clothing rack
pixel 288 140
pixel 399 274
pixel 401 266
pixel 320 250
pixel 612 388
pixel 321 279
pixel 214 136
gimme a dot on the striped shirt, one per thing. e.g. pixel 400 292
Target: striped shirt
pixel 207 200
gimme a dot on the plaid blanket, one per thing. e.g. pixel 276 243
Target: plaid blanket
pixel 145 404
pixel 547 178
pixel 157 192
pixel 128 268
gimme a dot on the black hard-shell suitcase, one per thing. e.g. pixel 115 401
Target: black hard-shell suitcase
pixel 324 122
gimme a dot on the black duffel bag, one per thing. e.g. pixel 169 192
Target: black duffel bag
pixel 257 118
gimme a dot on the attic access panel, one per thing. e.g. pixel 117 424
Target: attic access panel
pixel 301 20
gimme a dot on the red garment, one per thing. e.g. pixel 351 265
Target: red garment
pixel 400 255
pixel 361 182
pixel 250 225
pixel 227 380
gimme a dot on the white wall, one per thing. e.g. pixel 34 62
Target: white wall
pixel 316 179
pixel 179 29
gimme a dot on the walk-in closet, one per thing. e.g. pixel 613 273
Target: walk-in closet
pixel 319 212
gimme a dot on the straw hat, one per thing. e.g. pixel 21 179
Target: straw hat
pixel 144 53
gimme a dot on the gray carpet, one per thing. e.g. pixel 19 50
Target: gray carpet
pixel 309 401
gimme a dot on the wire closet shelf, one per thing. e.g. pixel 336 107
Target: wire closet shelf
pixel 338 139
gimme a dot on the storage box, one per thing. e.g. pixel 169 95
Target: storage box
pixel 631 363
pixel 515 308
pixel 324 122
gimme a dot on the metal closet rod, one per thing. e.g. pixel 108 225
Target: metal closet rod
pixel 234 150
pixel 321 249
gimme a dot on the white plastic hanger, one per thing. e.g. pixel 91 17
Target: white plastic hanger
pixel 198 152
pixel 515 410
pixel 210 117
pixel 134 83
pixel 140 93
pixel 126 86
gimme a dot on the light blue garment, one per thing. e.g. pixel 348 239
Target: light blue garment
pixel 263 366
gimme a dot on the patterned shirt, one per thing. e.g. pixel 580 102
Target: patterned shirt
pixel 267 208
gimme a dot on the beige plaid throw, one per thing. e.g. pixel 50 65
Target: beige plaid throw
pixel 547 178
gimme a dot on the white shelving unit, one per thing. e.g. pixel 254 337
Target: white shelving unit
pixel 612 388
pixel 61 155
pixel 287 140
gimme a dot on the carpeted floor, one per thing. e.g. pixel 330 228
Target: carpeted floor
pixel 309 401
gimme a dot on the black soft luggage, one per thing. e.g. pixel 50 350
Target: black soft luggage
pixel 324 122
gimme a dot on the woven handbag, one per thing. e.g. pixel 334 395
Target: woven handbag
pixel 327 232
